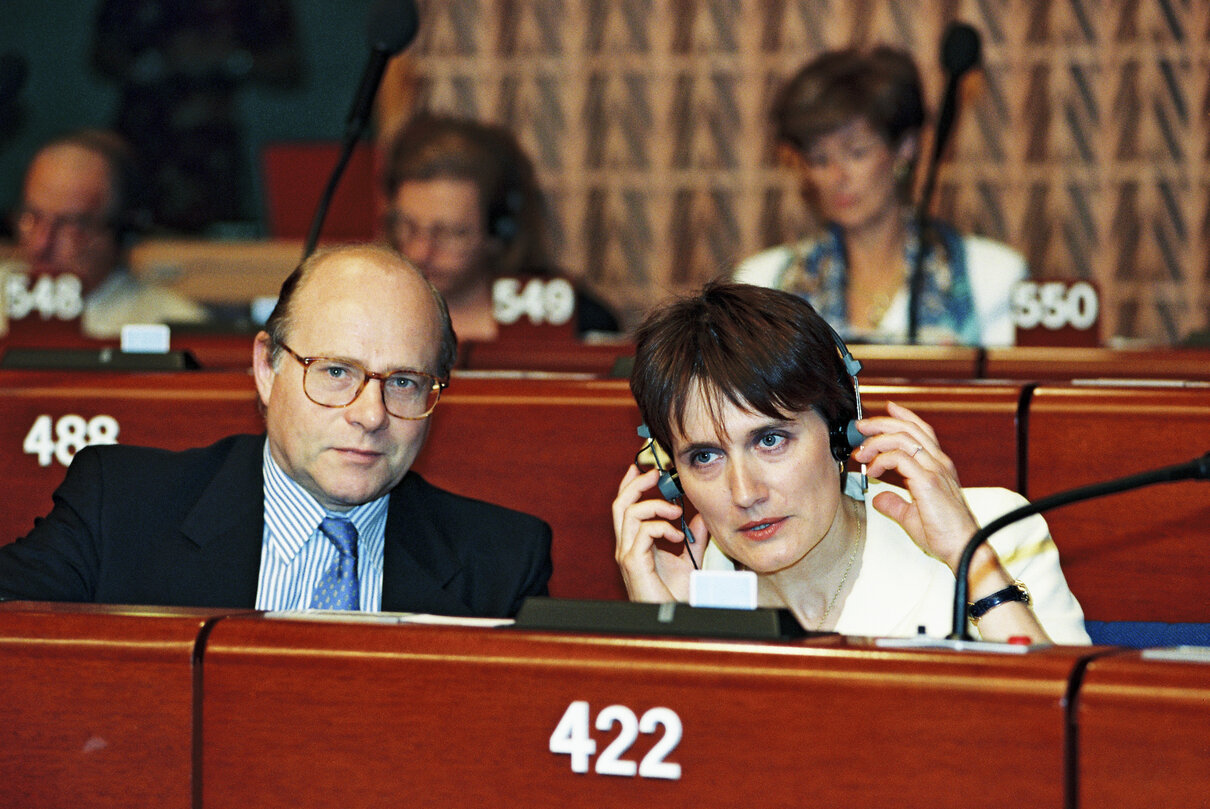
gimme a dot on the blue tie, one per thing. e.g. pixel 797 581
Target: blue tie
pixel 337 588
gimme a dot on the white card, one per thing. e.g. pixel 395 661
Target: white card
pixel 730 589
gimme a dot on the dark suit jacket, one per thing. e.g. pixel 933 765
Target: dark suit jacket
pixel 133 525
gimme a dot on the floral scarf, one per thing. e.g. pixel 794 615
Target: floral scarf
pixel 817 271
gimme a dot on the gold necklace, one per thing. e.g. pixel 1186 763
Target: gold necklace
pixel 852 558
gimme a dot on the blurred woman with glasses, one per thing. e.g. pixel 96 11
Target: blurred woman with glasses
pixel 466 209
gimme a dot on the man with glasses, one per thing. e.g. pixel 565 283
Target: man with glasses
pixel 74 226
pixel 321 511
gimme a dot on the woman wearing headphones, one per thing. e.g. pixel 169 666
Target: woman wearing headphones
pixel 748 389
pixel 466 209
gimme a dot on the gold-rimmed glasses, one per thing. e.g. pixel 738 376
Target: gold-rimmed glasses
pixel 335 382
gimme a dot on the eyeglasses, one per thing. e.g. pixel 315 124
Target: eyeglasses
pixel 73 228
pixel 445 237
pixel 333 382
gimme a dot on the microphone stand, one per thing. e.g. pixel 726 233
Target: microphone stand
pixel 325 199
pixel 960 51
pixel 392 25
pixel 1197 468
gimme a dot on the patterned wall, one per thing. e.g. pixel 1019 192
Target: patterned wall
pixel 1083 142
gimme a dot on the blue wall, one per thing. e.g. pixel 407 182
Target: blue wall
pixel 63 91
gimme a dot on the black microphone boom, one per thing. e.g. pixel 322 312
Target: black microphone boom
pixel 960 51
pixel 1198 468
pixel 391 27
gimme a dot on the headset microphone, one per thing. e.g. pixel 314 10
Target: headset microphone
pixel 669 483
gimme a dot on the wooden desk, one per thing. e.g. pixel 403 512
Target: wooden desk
pixel 217 271
pixel 1144 733
pixel 306 713
pixel 555 356
pixel 97 705
pixel 46 416
pixel 1046 363
pixel 918 362
pixel 213 350
pixel 1136 556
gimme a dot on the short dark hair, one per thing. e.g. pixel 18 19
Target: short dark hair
pixel 760 349
pixel 435 147
pixel 880 85
pixel 279 322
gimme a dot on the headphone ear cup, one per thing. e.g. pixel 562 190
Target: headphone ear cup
pixel 844 439
pixel 669 485
pixel 505 229
pixel 504 224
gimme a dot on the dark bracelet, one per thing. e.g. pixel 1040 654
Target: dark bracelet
pixel 1013 592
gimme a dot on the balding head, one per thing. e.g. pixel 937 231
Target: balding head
pixel 72 207
pixel 351 266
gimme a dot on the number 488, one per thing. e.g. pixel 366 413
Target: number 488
pixel 63 438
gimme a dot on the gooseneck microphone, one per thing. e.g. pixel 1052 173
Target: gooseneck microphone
pixel 960 51
pixel 1199 469
pixel 391 27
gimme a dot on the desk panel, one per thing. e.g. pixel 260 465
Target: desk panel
pixel 1136 556
pixel 976 423
pixel 310 713
pixel 555 356
pixel 45 417
pixel 1144 733
pixel 213 349
pixel 1047 363
pixel 96 705
pixel 918 362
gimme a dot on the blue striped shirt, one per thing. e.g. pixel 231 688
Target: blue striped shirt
pixel 294 554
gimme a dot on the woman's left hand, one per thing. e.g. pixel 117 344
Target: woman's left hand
pixel 937 518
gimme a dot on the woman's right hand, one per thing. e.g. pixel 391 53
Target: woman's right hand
pixel 650 572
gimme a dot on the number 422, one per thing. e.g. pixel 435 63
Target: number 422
pixel 572 737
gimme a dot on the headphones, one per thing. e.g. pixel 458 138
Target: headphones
pixel 842 437
pixel 504 212
pixel 845 438
pixel 502 220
